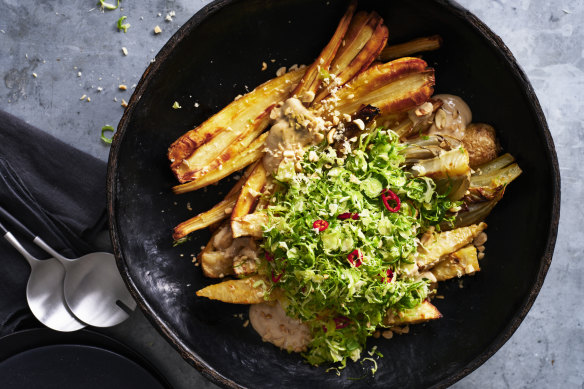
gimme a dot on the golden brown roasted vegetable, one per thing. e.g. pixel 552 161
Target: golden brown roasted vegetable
pixel 481 143
pixel 457 264
pixel 250 191
pixel 422 313
pixel 205 219
pixel 219 212
pixel 308 85
pixel 253 152
pixel 192 153
pixel 214 260
pixel 359 53
pixel 392 87
pixel 446 242
pixel 359 32
pixel 428 43
pixel 223 255
pixel 489 180
pixel 249 290
pixel 450 171
pixel 249 225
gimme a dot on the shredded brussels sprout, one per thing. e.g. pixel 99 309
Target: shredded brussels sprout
pixel 342 299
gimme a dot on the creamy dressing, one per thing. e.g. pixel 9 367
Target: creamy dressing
pixel 452 117
pixel 293 128
pixel 273 325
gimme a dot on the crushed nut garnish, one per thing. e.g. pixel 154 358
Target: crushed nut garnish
pixel 440 119
pixel 330 137
pixel 359 124
pixel 281 71
pixel 169 16
pixel 424 109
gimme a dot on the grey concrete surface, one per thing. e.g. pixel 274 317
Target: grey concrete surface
pixel 75 50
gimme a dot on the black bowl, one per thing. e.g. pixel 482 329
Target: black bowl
pixel 217 55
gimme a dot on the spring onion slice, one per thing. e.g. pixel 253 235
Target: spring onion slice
pixel 123 26
pixel 105 129
pixel 109 6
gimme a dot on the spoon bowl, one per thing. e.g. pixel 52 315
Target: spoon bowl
pixel 44 291
pixel 93 288
pixel 95 291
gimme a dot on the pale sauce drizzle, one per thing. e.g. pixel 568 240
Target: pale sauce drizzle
pixel 293 128
pixel 452 118
pixel 273 325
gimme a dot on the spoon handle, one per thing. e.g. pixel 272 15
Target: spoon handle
pixel 16 244
pixel 29 235
pixel 7 216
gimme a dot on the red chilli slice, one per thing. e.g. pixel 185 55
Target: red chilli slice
pixel 341 322
pixel 386 195
pixel 320 225
pixel 389 273
pixel 348 215
pixel 275 279
pixel 356 258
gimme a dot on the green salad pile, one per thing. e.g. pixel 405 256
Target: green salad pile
pixel 340 240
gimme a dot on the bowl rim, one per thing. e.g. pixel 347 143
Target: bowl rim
pixel 190 356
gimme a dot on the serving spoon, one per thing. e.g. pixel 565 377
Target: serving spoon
pixel 44 290
pixel 93 287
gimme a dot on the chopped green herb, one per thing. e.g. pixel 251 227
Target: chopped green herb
pixel 123 26
pixel 176 105
pixel 180 241
pixel 105 129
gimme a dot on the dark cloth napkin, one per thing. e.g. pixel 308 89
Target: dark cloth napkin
pixel 58 192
